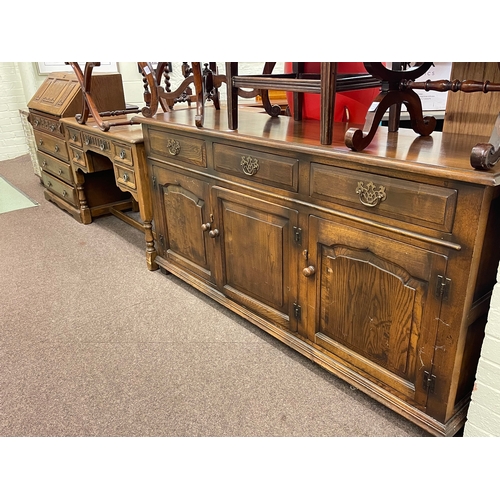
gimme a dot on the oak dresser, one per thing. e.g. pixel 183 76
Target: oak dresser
pixel 378 266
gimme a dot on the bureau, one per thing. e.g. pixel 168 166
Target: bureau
pixel 378 266
pixel 58 97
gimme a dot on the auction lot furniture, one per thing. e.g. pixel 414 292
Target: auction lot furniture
pixel 377 265
pixel 118 154
pixel 58 97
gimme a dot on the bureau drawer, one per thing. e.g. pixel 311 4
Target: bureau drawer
pixel 123 154
pixel 55 167
pixel 78 159
pixel 422 204
pixel 265 168
pixel 97 143
pixel 74 137
pixel 63 190
pixel 52 145
pixel 165 146
pixel 46 124
pixel 125 177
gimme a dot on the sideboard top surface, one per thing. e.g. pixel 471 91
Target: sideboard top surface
pixel 443 155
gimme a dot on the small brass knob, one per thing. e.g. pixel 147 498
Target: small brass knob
pixel 73 137
pixel 122 154
pixel 213 233
pixel 64 193
pixel 125 177
pixel 60 171
pixel 40 142
pixel 56 148
pixel 206 226
pixel 308 271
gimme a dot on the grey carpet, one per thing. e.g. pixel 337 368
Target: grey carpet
pixel 94 344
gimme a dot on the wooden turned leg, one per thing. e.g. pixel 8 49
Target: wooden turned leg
pixel 150 246
pixel 82 199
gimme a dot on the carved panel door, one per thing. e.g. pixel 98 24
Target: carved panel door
pixel 375 306
pixel 183 223
pixel 257 255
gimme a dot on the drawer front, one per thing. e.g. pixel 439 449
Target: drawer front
pixel 123 154
pixel 265 168
pixel 125 177
pixel 78 158
pixel 55 167
pixel 422 204
pixel 165 146
pixel 51 145
pixel 74 137
pixel 63 190
pixel 48 125
pixel 96 143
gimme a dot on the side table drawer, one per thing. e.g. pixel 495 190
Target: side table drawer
pixel 60 188
pixel 265 168
pixel 55 167
pixel 164 145
pixel 74 137
pixel 422 204
pixel 123 154
pixel 125 177
pixel 51 145
pixel 78 159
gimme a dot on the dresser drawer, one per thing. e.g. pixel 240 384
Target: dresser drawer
pixel 125 177
pixel 97 143
pixel 63 190
pixel 45 124
pixel 165 146
pixel 78 159
pixel 55 167
pixel 265 168
pixel 52 145
pixel 74 137
pixel 422 204
pixel 123 154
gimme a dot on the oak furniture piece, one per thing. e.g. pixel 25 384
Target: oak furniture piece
pixel 58 97
pixel 378 266
pixel 118 153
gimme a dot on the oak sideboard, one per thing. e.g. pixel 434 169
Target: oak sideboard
pixel 377 265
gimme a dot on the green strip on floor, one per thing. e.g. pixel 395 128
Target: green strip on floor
pixel 12 199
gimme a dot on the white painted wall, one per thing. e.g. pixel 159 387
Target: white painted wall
pixel 19 82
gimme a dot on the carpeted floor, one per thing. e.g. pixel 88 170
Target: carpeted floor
pixel 94 344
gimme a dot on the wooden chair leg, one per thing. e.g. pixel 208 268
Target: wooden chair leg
pixel 232 96
pixel 328 86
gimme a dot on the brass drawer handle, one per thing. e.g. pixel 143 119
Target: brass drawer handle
pixel 60 171
pixel 52 128
pixel 101 146
pixel 87 141
pixel 64 193
pixel 44 163
pixel 56 148
pixel 48 183
pixel 174 147
pixel 125 177
pixel 36 122
pixel 250 165
pixel 73 137
pixel 122 154
pixel 369 196
pixel 77 156
pixel 40 142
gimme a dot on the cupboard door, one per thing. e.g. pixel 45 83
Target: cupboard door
pixel 375 307
pixel 257 255
pixel 183 219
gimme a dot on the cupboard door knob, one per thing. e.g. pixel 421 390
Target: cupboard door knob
pixel 213 233
pixel 206 226
pixel 308 271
